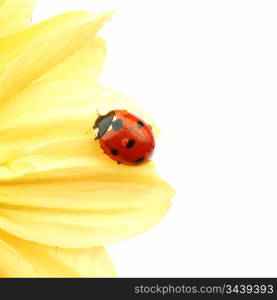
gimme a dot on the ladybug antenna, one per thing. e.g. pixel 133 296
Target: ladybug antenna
pixel 87 132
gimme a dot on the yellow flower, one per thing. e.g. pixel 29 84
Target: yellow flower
pixel 61 198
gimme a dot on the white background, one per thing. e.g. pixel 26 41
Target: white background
pixel 207 72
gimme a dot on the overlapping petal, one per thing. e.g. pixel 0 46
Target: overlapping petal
pixel 19 258
pixel 57 180
pixel 29 54
pixel 85 64
pixel 15 15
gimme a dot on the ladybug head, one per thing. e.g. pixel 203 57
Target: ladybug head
pixel 102 124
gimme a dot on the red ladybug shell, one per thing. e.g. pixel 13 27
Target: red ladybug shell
pixel 124 137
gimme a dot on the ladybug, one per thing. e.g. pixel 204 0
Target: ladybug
pixel 124 137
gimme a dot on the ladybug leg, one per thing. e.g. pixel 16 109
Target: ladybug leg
pixel 92 128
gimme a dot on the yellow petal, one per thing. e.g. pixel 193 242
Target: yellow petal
pixel 15 15
pixel 58 188
pixel 84 64
pixel 19 258
pixel 12 264
pixel 29 54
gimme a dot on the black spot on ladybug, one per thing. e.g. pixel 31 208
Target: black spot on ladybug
pixel 103 123
pixel 117 124
pixel 140 124
pixel 139 160
pixel 130 144
pixel 114 152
